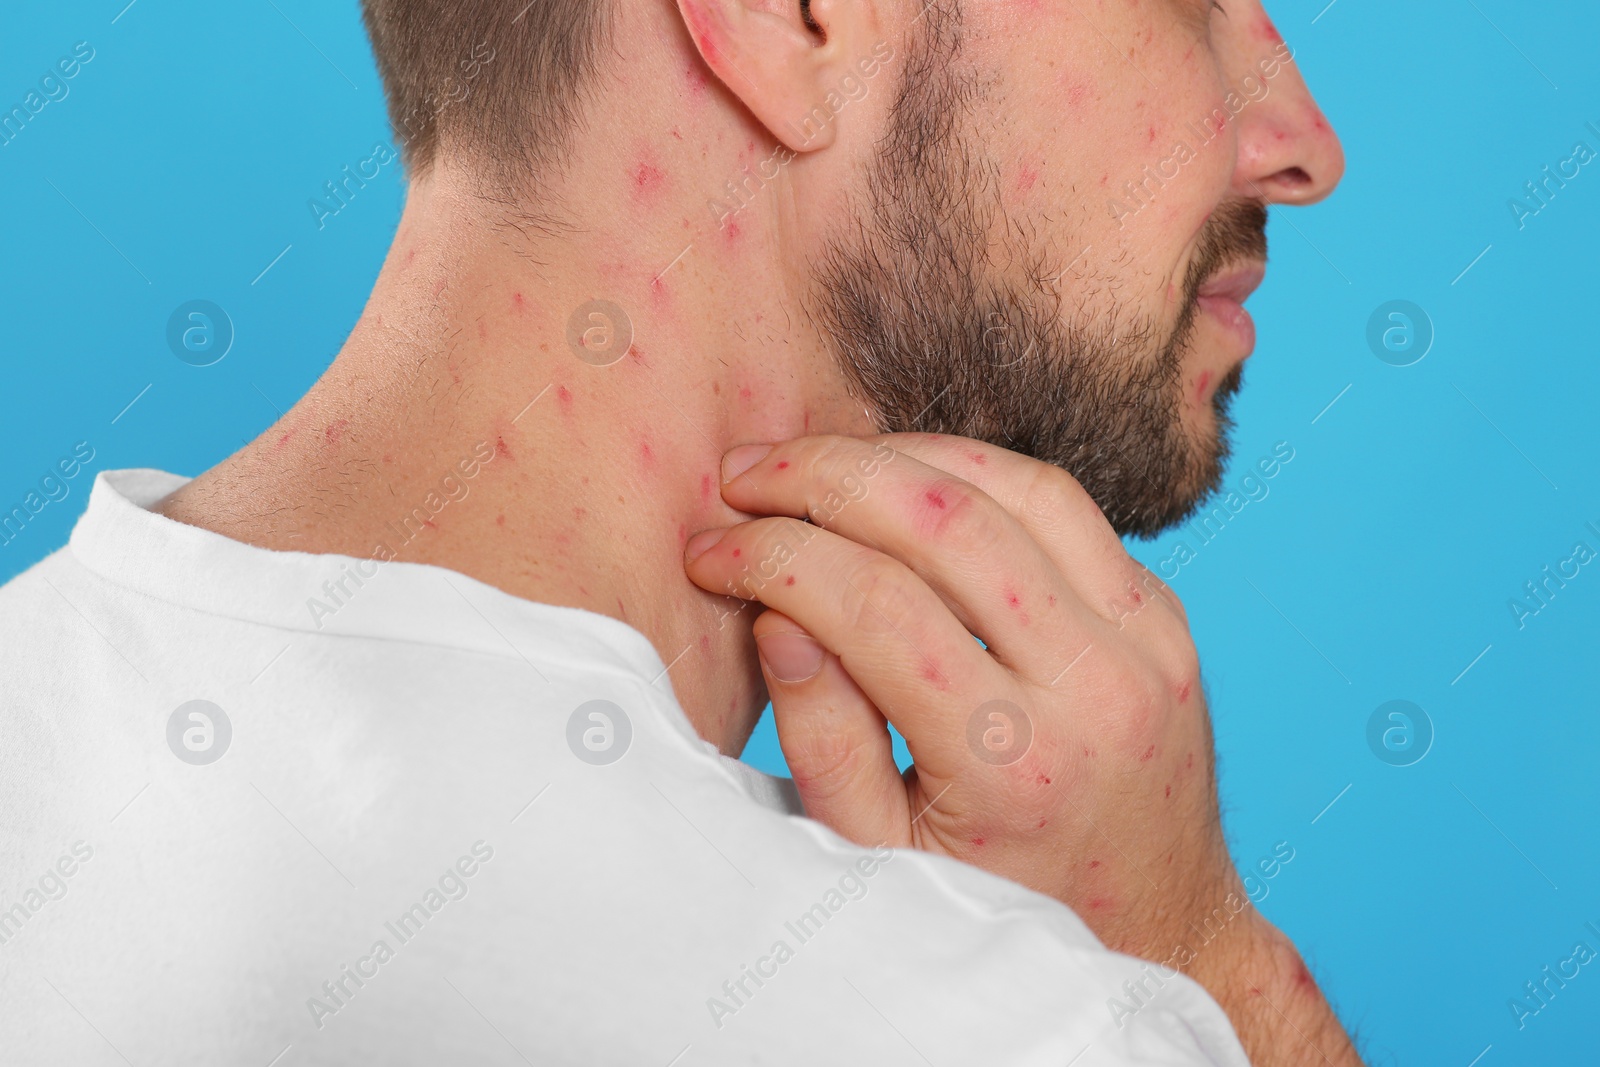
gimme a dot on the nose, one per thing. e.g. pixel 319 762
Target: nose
pixel 1288 152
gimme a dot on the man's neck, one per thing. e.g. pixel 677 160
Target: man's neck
pixel 595 476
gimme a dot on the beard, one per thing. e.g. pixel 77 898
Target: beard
pixel 947 315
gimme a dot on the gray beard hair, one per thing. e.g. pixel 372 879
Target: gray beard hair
pixel 935 338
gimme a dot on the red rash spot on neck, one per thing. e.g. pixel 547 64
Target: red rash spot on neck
pixel 410 255
pixel 716 388
pixel 638 355
pixel 518 304
pixel 978 842
pixel 1149 752
pixel 1014 600
pixel 1093 864
pixel 1026 179
pixel 438 287
pixel 1041 825
pixel 333 432
pixel 745 393
pixel 694 76
pixel 646 454
pixel 1043 779
pixel 429 524
pixel 499 520
pixel 705 488
pixel 1302 977
pixel 1169 790
pixel 789 580
pixel 647 180
pixel 737 552
pixel 1152 137
pixel 979 458
pixel 1183 696
pixel 705 642
pixel 500 448
pixel 564 399
pixel 285 440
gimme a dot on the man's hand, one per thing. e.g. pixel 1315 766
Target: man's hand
pixel 1071 752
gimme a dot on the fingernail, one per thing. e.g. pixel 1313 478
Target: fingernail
pixel 697 545
pixel 738 460
pixel 790 657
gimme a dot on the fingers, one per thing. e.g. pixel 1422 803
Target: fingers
pixel 836 742
pixel 1050 504
pixel 984 565
pixel 911 657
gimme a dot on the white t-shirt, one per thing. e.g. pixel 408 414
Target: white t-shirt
pixel 397 831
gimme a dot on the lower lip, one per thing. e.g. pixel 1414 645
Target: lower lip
pixel 1233 317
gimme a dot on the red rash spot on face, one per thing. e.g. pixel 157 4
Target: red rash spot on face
pixel 1014 600
pixel 1149 752
pixel 579 513
pixel 1169 790
pixel 978 841
pixel 675 133
pixel 737 552
pixel 783 464
pixel 500 448
pixel 705 488
pixel 683 534
pixel 429 525
pixel 695 77
pixel 705 642
pixel 745 393
pixel 332 433
pixel 789 580
pixel 518 304
pixel 564 399
pixel 499 520
pixel 1183 697
pixel 806 423
pixel 620 609
pixel 1027 178
pixel 646 455
pixel 1093 864
pixel 1152 137
pixel 1052 600
pixel 1200 385
pixel 1267 31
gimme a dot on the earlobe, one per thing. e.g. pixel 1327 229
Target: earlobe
pixel 774 57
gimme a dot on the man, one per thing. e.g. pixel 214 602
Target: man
pixel 405 734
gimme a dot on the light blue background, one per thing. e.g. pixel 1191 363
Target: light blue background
pixel 1379 567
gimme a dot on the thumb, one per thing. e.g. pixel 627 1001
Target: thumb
pixel 835 740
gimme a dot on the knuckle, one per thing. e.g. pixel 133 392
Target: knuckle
pixel 1052 497
pixel 961 515
pixel 880 597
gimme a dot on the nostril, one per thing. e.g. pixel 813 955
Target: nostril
pixel 1294 177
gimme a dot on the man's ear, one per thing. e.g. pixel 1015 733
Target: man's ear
pixel 783 69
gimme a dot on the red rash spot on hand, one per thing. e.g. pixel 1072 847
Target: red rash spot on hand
pixel 1302 977
pixel 500 448
pixel 1041 824
pixel 1200 385
pixel 1096 903
pixel 979 458
pixel 931 673
pixel 1014 600
pixel 1169 790
pixel 638 354
pixel 1149 752
pixel 1152 135
pixel 517 303
pixel 1183 696
pixel 285 440
pixel 1093 864
pixel 789 580
pixel 1042 779
pixel 564 399
pixel 646 455
pixel 683 535
pixel 737 552
pixel 705 488
pixel 935 498
pixel 978 841
pixel 783 464
pixel 1052 600
pixel 745 393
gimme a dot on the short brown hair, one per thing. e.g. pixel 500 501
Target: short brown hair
pixel 502 81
